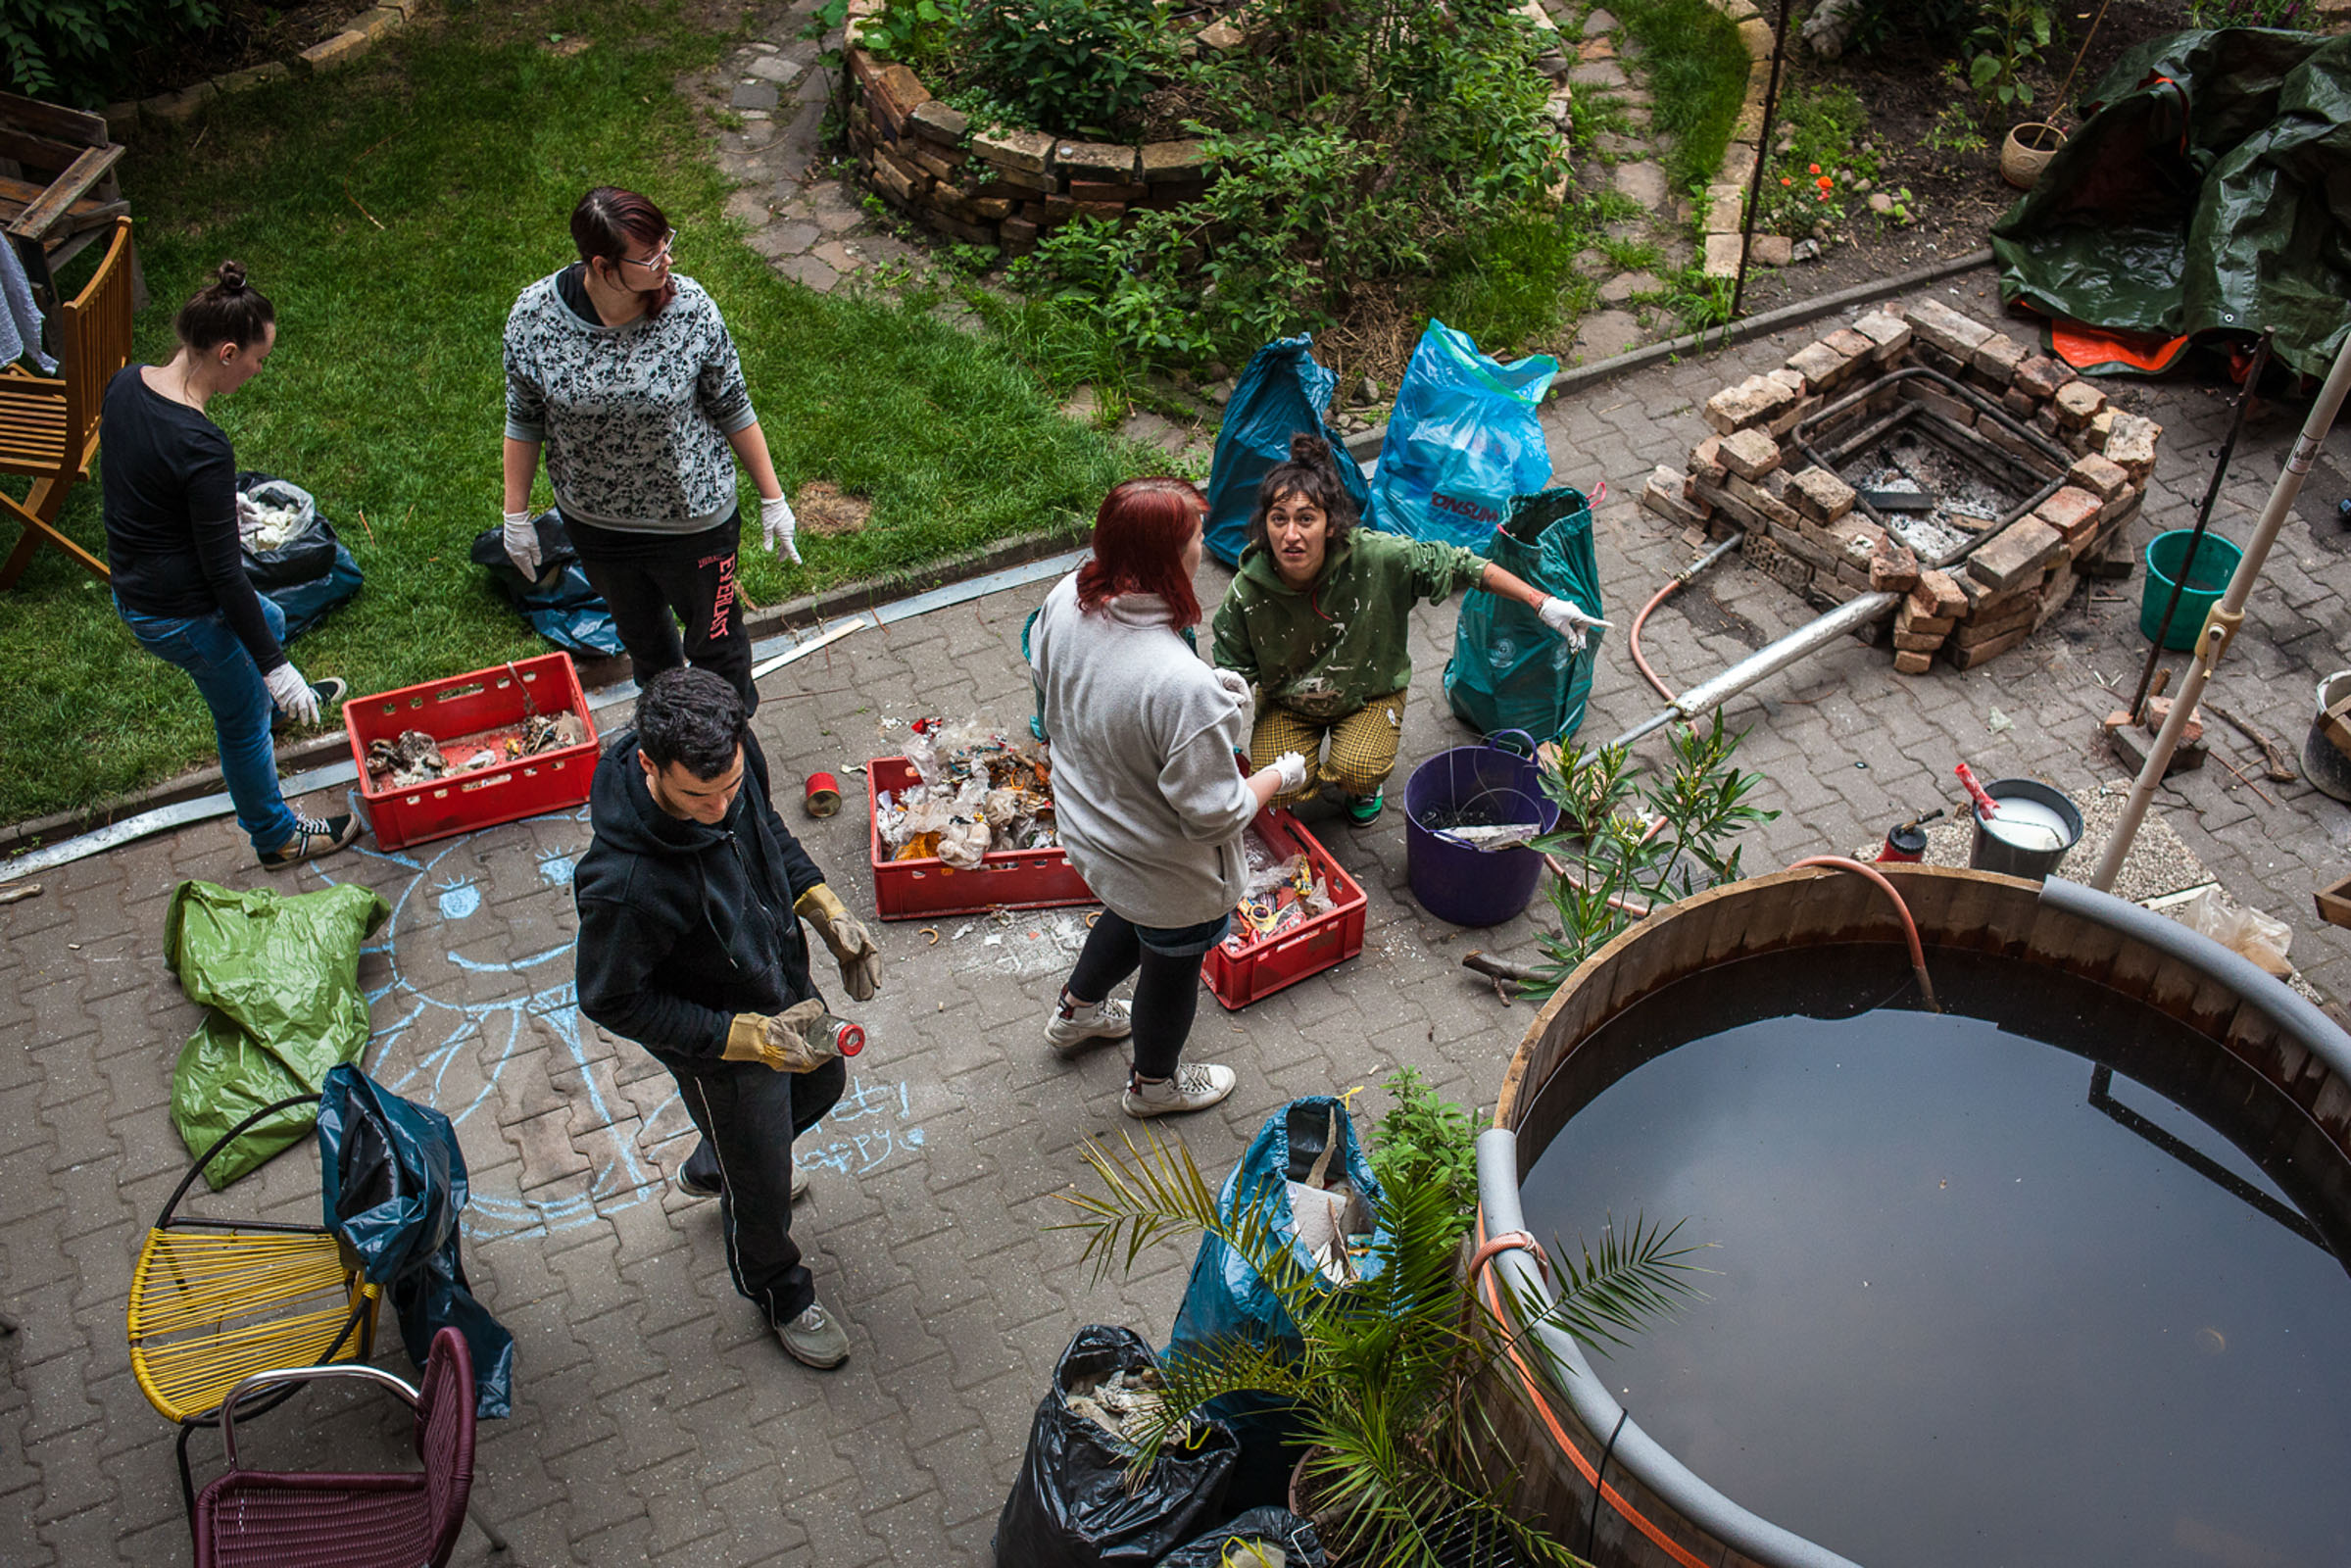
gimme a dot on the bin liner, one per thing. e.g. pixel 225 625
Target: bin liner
pixel 394 1188
pixel 561 605
pixel 1228 1545
pixel 278 979
pixel 313 570
pixel 1464 438
pixel 1226 1298
pixel 1509 671
pixel 1283 392
pixel 2203 195
pixel 1072 1505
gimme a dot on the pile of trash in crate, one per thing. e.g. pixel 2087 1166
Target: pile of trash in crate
pixel 416 757
pixel 980 790
pixel 1283 892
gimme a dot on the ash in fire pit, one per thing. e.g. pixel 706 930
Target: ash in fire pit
pixel 1933 500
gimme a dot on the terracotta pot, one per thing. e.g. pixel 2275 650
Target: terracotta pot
pixel 2027 151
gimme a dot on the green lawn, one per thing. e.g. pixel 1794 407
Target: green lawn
pixel 469 142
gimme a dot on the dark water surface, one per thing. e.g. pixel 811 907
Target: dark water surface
pixel 1963 1318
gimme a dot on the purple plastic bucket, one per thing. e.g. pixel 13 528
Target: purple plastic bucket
pixel 1453 879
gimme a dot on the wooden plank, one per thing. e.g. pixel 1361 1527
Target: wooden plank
pixel 41 152
pixel 54 204
pixel 76 126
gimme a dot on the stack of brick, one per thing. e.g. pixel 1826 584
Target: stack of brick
pixel 1800 521
pixel 1002 188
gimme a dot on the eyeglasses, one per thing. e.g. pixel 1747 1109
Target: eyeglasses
pixel 659 259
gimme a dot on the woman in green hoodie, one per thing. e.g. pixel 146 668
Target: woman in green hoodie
pixel 1318 621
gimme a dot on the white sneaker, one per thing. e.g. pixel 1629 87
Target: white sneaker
pixel 1071 1027
pixel 1196 1086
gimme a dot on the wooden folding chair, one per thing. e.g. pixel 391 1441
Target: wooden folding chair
pixel 49 424
pixel 214 1301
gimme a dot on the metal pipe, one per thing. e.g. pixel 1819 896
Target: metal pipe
pixel 2222 622
pixel 1805 640
pixel 2212 493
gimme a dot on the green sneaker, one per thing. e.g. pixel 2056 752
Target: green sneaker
pixel 1364 809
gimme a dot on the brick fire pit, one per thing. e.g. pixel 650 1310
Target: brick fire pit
pixel 2034 478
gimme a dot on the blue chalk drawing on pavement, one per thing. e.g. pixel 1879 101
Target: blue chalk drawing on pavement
pixel 449 1042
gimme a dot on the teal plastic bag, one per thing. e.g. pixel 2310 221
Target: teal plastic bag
pixel 1508 670
pixel 1282 393
pixel 1463 440
pixel 278 979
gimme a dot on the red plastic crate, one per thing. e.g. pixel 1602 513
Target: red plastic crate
pixel 1286 958
pixel 486 700
pixel 1004 879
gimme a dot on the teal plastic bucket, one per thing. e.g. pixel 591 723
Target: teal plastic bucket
pixel 2207 579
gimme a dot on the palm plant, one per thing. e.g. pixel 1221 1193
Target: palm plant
pixel 1393 1381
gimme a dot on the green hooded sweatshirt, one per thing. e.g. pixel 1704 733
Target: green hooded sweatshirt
pixel 1324 650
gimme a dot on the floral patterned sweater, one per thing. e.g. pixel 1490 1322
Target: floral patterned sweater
pixel 634 418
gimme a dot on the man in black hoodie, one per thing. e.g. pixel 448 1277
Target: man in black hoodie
pixel 690 902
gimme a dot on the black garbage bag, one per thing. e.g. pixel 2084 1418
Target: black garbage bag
pixel 559 603
pixel 1072 1506
pixel 395 1185
pixel 1245 1542
pixel 306 571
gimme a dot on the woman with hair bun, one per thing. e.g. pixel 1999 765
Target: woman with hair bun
pixel 1318 621
pixel 1150 805
pixel 624 374
pixel 168 490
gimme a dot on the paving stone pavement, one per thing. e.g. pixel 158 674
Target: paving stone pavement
pixel 653 1421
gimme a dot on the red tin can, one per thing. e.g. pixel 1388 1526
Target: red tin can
pixel 823 796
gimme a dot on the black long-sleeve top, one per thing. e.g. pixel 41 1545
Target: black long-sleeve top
pixel 168 482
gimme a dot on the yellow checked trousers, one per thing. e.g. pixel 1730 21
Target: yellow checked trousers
pixel 1363 746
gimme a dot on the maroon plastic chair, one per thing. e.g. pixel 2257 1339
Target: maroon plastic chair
pixel 270 1519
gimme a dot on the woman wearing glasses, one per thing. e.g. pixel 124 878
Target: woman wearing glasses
pixel 624 374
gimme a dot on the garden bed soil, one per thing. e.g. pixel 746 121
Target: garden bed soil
pixel 1960 194
pixel 250 32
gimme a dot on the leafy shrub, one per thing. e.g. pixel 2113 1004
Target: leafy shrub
pixel 1936 23
pixel 1823 129
pixel 80 50
pixel 1070 65
pixel 918 33
pixel 1427 1141
pixel 2006 42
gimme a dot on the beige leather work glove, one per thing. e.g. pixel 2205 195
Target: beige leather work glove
pixel 789 1041
pixel 843 932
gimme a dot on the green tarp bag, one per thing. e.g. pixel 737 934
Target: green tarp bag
pixel 2206 194
pixel 277 977
pixel 1508 670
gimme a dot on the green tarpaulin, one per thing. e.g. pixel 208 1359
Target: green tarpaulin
pixel 2208 192
pixel 278 980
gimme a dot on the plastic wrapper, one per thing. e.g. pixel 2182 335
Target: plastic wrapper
pixel 2248 932
pixel 1281 894
pixel 981 792
pixel 1260 1538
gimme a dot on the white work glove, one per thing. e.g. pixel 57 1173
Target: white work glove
pixel 1235 682
pixel 522 542
pixel 292 694
pixel 777 527
pixel 1293 769
pixel 1567 620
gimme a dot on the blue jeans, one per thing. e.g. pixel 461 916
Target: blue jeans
pixel 231 683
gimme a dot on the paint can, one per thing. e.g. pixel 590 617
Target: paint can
pixel 822 795
pixel 846 1038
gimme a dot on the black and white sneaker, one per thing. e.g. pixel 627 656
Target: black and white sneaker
pixel 314 836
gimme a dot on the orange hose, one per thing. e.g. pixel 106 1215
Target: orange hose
pixel 1632 639
pixel 1550 1421
pixel 1910 929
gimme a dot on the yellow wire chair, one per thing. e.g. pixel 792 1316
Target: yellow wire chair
pixel 214 1301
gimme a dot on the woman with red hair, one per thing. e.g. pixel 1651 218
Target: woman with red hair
pixel 1149 803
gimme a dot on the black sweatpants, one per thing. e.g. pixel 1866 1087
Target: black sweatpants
pixel 647 578
pixel 749 1115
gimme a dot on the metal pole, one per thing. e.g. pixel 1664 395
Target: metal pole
pixel 1807 639
pixel 2211 491
pixel 1763 140
pixel 2222 622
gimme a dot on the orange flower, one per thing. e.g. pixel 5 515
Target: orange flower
pixel 1823 182
pixel 1785 180
pixel 1815 169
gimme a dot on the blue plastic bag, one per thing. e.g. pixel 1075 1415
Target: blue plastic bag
pixel 394 1184
pixel 1282 393
pixel 1463 439
pixel 560 605
pixel 1509 671
pixel 1226 1298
